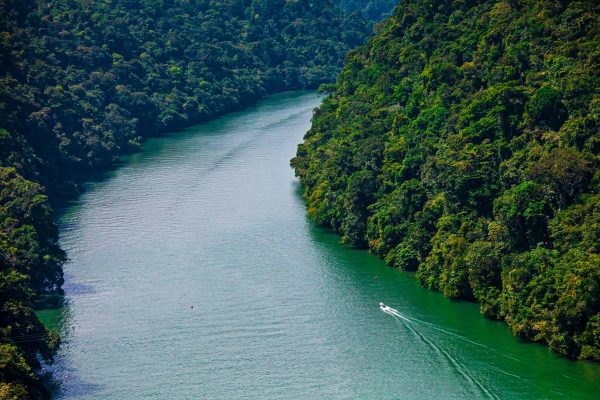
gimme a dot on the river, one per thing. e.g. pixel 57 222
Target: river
pixel 194 273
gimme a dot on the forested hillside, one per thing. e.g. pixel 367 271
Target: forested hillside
pixel 83 81
pixel 462 143
pixel 372 10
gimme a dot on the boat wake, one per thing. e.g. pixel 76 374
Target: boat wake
pixel 456 364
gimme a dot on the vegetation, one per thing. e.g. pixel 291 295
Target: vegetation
pixel 372 10
pixel 30 264
pixel 462 143
pixel 83 81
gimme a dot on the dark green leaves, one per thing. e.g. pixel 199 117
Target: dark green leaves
pixel 488 114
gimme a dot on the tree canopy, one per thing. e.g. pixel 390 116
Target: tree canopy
pixel 372 10
pixel 462 143
pixel 82 82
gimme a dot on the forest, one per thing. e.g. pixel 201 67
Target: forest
pixel 83 82
pixel 372 10
pixel 461 143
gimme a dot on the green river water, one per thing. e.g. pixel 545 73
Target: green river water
pixel 212 218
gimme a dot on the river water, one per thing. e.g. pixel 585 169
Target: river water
pixel 194 273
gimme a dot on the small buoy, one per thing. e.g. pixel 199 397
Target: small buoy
pixel 191 306
pixel 376 277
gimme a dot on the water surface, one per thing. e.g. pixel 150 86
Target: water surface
pixel 195 274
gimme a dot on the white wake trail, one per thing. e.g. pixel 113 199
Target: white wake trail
pixel 460 368
pixel 432 326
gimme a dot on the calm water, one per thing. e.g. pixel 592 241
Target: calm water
pixel 212 218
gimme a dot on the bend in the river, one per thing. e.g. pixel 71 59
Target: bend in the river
pixel 195 273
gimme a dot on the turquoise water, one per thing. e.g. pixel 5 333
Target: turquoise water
pixel 212 218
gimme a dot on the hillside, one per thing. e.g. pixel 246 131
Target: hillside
pixel 462 143
pixel 371 10
pixel 82 82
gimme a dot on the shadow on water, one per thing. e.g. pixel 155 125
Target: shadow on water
pixel 58 372
pixel 78 387
pixel 53 310
pixel 73 288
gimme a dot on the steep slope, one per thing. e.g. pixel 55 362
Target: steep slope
pixel 462 143
pixel 83 81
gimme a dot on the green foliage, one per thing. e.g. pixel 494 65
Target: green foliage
pixel 30 264
pixel 545 108
pixel 82 82
pixel 372 10
pixel 17 381
pixel 485 174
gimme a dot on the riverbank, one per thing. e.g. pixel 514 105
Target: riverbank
pixel 212 218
